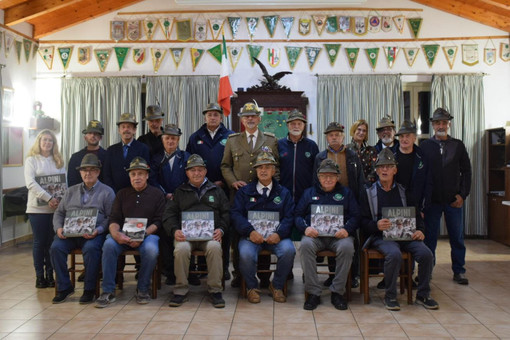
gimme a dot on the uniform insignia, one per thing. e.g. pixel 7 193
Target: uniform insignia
pixel 277 200
pixel 200 142
pixel 307 154
pixel 315 198
pixel 253 199
pixel 223 141
pixel 420 166
pixel 338 197
pixel 211 198
pixel 269 134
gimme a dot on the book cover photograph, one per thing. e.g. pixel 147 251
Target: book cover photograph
pixel 197 225
pixel 264 222
pixel 55 185
pixel 134 228
pixel 327 219
pixel 79 222
pixel 403 223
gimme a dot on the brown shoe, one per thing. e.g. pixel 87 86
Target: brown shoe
pixel 278 295
pixel 254 295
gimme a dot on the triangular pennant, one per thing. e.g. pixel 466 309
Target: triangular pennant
pixel 177 53
pixel 84 55
pixel 374 24
pixel 415 25
pixel 65 55
pixel 149 26
pixel 117 29
pixel 102 57
pixel 332 52
pixel 391 54
pixel 504 51
pixel 233 23
pixel 304 26
pixel 158 55
pixel 344 24
pixel 35 47
pixel 489 56
pixel 9 41
pixel 183 30
pixel 386 23
pixel 287 23
pixel 470 54
pixel 332 24
pixel 273 56
pixel 320 22
pixel 200 30
pixel 430 52
pixel 121 54
pixel 293 53
pixel 252 23
pixel 133 30
pixel 411 53
pixel 138 55
pixel 312 54
pixel 372 55
pixel 216 52
pixel 234 54
pixel 254 52
pixel 27 48
pixel 166 25
pixel 47 54
pixel 399 22
pixel 196 54
pixel 18 45
pixel 216 24
pixel 359 25
pixel 450 53
pixel 352 55
pixel 271 21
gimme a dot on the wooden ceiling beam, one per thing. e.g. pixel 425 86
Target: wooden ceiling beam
pixel 9 3
pixel 33 9
pixel 504 4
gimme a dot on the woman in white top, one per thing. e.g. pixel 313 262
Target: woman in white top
pixel 44 159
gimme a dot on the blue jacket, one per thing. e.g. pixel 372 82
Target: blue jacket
pixel 211 150
pixel 339 196
pixel 115 165
pixel 164 178
pixel 296 164
pixel 379 146
pixel 73 175
pixel 248 199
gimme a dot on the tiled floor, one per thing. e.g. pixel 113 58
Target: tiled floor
pixel 478 311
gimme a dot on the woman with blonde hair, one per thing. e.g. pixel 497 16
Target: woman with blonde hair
pixel 44 168
pixel 366 153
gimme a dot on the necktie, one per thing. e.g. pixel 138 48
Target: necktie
pixel 264 191
pixel 126 148
pixel 251 142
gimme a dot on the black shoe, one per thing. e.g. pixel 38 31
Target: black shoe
pixel 87 297
pixel 312 301
pixel 381 284
pixel 328 281
pixel 193 280
pixel 338 301
pixel 264 283
pixel 217 300
pixel 236 281
pixel 226 275
pixel 41 282
pixel 355 282
pixel 178 300
pixel 81 278
pixel 170 280
pixel 50 280
pixel 461 279
pixel 62 295
pixel 426 302
pixel 391 304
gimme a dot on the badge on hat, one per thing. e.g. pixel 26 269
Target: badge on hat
pixel 138 163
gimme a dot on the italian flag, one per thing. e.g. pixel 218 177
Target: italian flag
pixel 225 90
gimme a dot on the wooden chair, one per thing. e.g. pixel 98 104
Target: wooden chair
pixel 121 269
pixel 73 270
pixel 202 268
pixel 272 269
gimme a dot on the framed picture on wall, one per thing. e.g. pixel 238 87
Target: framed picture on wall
pixel 7 103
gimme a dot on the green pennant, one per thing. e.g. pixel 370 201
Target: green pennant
pixel 352 55
pixel 252 23
pixel 332 51
pixel 27 47
pixel 430 52
pixel 332 24
pixel 216 52
pixel 312 54
pixel 234 23
pixel 18 50
pixel 372 55
pixel 65 55
pixel 293 54
pixel 121 54
pixel 254 52
pixel 415 25
pixel 34 48
pixel 271 21
pixel 102 58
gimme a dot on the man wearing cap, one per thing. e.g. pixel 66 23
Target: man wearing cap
pixel 450 169
pixel 385 192
pixel 328 192
pixel 154 118
pixel 92 135
pixel 265 194
pixel 90 194
pixel 386 132
pixel 198 194
pixel 120 155
pixel 139 200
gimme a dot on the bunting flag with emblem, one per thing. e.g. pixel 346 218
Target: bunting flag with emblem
pixel 233 23
pixel 470 54
pixel 35 47
pixel 200 30
pixel 359 25
pixel 177 53
pixel 166 25
pixel 374 24
pixel 252 23
pixel 138 55
pixel 320 22
pixel 293 53
pixel 84 55
pixel 312 54
pixel 411 53
pixel 372 55
pixel 332 52
pixel 134 32
pixel 234 54
pixel 216 52
pixel 305 26
pixel 196 54
pixel 65 55
pixel 27 48
pixel 47 54
pixel 489 55
pixel 386 23
pixel 18 45
pixel 430 52
pixel 149 26
pixel 271 21
pixel 415 26
pixel 216 24
pixel 287 23
pixel 254 52
pixel 504 51
pixel 184 29
pixel 332 24
pixel 344 24
pixel 158 55
pixel 9 41
pixel 121 54
pixel 399 23
pixel 117 30
pixel 273 56
pixel 102 57
pixel 450 53
pixel 352 55
pixel 391 54
pixel 224 87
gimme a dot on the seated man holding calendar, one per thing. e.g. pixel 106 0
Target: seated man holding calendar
pixel 136 209
pixel 335 219
pixel 263 215
pixel 197 216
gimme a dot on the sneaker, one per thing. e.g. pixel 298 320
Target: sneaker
pixel 178 300
pixel 142 298
pixel 381 284
pixel 62 295
pixel 104 300
pixel 253 295
pixel 87 297
pixel 391 304
pixel 217 300
pixel 338 301
pixel 328 281
pixel 277 294
pixel 426 302
pixel 461 279
pixel 40 282
pixel 312 301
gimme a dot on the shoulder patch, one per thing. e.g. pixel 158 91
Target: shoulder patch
pixel 234 134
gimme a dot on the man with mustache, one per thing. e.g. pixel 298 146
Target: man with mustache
pixel 386 132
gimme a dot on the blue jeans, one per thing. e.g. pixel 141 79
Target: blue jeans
pixel 248 258
pixel 455 226
pixel 42 230
pixel 149 251
pixel 91 258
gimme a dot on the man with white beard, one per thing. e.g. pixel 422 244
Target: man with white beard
pixel 386 133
